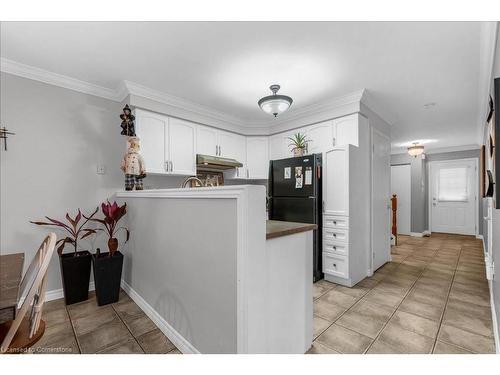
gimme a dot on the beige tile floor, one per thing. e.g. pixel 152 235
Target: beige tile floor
pixel 432 298
pixel 118 328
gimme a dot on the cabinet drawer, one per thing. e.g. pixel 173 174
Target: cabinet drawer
pixel 341 222
pixel 335 247
pixel 334 234
pixel 335 265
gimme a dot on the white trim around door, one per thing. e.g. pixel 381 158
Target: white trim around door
pixel 475 192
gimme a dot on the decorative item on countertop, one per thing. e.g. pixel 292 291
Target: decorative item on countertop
pixel 128 126
pixel 299 144
pixel 133 165
pixel 75 266
pixel 108 266
pixel 4 133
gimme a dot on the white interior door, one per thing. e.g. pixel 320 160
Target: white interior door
pixel 381 197
pixel 401 186
pixel 453 195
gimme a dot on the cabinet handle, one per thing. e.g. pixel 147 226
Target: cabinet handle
pixel 335 265
pixel 333 141
pixel 220 150
pixel 334 223
pixel 248 174
pixel 335 235
pixel 335 248
pixel 323 206
pixel 166 166
pixel 171 166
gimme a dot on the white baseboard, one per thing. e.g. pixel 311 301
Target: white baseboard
pixel 175 337
pixel 479 236
pixel 415 234
pixel 494 319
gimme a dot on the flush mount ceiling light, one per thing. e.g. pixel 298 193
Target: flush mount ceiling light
pixel 275 104
pixel 415 150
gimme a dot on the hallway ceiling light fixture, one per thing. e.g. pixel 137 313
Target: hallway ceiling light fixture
pixel 275 104
pixel 415 150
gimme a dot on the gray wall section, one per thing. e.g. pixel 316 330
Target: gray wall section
pixel 420 185
pixel 418 181
pixel 50 166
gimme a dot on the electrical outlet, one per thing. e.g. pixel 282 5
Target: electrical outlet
pixel 101 169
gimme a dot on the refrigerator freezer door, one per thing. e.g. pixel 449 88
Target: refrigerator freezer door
pixel 289 178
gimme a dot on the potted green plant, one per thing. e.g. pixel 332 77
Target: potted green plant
pixel 75 266
pixel 108 266
pixel 298 144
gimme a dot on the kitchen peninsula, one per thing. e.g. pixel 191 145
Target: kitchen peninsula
pixel 222 280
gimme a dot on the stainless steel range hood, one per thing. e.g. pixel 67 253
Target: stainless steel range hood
pixel 215 163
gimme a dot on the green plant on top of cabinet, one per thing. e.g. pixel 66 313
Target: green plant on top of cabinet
pixel 168 144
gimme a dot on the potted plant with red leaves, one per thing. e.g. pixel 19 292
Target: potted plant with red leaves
pixel 108 266
pixel 75 266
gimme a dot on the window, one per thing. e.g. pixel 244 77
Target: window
pixel 453 185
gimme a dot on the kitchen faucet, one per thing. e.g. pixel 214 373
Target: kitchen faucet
pixel 189 180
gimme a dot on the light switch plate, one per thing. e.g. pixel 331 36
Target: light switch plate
pixel 101 169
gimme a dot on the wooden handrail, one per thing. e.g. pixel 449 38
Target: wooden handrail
pixel 394 201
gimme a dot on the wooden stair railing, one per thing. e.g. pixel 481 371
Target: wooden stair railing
pixel 394 203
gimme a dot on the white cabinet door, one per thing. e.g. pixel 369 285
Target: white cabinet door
pixel 233 146
pixel 257 157
pixel 336 181
pixel 152 129
pixel 182 147
pixel 346 130
pixel 320 137
pixel 206 140
pixel 278 146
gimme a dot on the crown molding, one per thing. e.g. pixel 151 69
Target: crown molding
pixel 45 76
pixel 326 109
pixel 487 47
pixel 162 97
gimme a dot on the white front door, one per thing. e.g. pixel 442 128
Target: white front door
pixel 453 195
pixel 401 186
pixel 381 198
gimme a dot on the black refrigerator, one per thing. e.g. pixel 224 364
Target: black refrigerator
pixel 295 195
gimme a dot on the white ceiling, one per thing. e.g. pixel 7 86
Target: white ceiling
pixel 228 66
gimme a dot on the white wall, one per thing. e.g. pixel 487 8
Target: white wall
pixel 50 165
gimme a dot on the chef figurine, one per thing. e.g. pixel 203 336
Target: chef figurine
pixel 133 165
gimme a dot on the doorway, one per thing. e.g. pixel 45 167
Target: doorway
pixel 401 186
pixel 381 188
pixel 453 200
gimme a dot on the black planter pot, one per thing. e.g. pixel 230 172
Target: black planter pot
pixel 107 277
pixel 75 273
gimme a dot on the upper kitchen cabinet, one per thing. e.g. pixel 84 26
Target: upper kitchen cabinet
pixel 233 146
pixel 346 129
pixel 278 146
pixel 257 158
pixel 167 144
pixel 206 141
pixel 215 142
pixel 182 147
pixel 320 137
pixel 152 129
